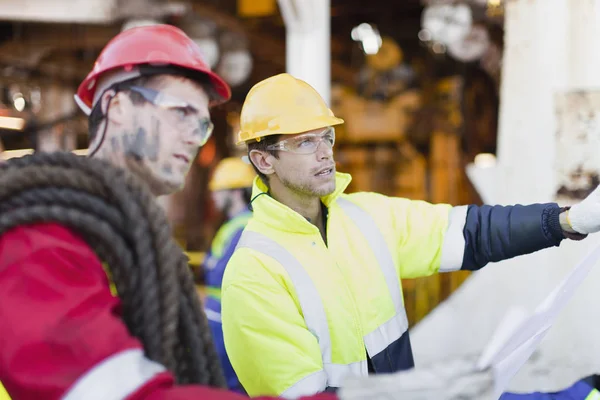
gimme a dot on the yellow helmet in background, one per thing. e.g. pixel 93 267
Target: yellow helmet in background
pixel 284 105
pixel 232 173
pixel 388 57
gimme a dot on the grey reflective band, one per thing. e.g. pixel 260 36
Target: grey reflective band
pixel 308 296
pixel 391 330
pixel 453 248
pixel 386 334
pixel 337 372
pixel 310 384
pixel 379 246
pixel 115 378
pixel 212 315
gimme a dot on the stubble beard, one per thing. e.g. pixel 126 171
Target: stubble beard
pixel 306 190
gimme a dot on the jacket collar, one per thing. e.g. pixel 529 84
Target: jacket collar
pixel 276 215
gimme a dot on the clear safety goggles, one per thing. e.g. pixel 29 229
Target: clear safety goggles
pixel 183 114
pixel 307 143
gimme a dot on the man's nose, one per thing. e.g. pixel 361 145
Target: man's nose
pixel 192 141
pixel 325 150
pixel 192 134
pixel 192 138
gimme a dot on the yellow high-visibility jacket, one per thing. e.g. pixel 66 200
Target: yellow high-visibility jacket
pixel 271 348
pixel 299 315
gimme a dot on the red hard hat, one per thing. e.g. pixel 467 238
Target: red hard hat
pixel 154 45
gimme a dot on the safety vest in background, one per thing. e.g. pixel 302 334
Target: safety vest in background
pixel 299 315
pixel 221 250
pixel 214 265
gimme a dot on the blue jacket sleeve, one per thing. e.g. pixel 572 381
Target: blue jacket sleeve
pixel 214 276
pixel 495 233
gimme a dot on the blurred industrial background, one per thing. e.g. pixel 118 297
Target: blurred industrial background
pixel 417 83
pixel 457 101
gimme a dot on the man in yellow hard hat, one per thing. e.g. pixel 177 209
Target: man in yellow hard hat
pixel 313 291
pixel 231 187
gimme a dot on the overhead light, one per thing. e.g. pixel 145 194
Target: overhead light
pixel 485 160
pixel 424 35
pixel 210 49
pixel 447 23
pixel 235 66
pixel 371 44
pixel 12 123
pixel 438 48
pixel 359 31
pixel 8 154
pixel 368 36
pixel 19 102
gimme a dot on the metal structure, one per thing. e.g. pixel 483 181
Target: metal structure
pixel 308 54
pixel 548 69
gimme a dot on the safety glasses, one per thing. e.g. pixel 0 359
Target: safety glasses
pixel 182 113
pixel 307 143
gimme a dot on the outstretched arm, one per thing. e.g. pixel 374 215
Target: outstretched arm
pixel 495 233
pixel 441 238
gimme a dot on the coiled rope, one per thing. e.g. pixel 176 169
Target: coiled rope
pixel 121 221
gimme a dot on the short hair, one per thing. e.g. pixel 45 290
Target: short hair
pixel 247 194
pixel 262 146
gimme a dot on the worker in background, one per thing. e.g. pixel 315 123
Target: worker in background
pixel 231 187
pixel 313 291
pixel 63 335
pixel 587 388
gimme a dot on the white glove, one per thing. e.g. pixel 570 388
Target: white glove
pixel 584 217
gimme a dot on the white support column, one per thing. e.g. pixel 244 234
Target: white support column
pixel 308 36
pixel 49 139
pixel 62 136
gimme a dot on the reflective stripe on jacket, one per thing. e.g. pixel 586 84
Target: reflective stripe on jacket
pixel 299 315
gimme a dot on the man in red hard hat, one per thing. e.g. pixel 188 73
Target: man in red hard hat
pixel 152 85
pixel 148 98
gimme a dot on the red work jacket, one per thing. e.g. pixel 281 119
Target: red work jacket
pixel 61 334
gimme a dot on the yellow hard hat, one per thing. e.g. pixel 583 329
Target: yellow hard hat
pixel 284 105
pixel 388 57
pixel 232 173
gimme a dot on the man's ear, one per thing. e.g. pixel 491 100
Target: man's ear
pixel 263 161
pixel 116 106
